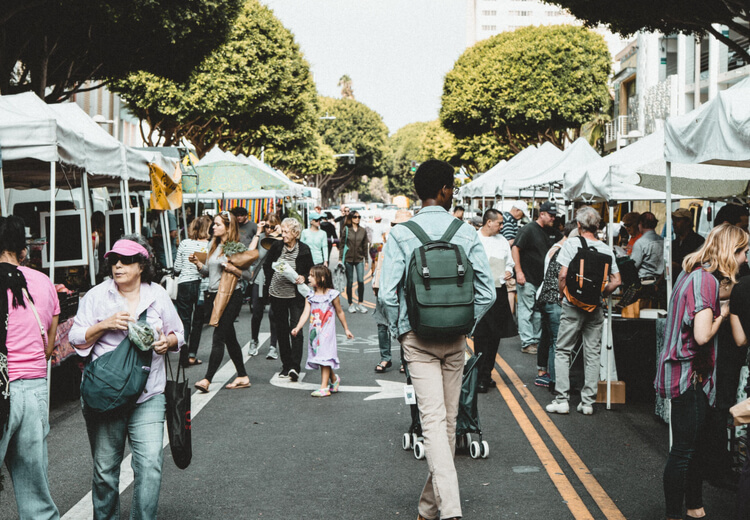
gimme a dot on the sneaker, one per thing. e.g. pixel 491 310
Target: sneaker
pixel 334 387
pixel 529 349
pixel 352 308
pixel 294 375
pixel 558 407
pixel 272 353
pixel 283 375
pixel 254 346
pixel 544 380
pixel 585 409
pixel 321 392
pixel 362 308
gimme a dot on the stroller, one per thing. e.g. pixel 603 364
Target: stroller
pixel 468 430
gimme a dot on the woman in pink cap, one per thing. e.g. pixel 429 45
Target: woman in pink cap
pixel 100 326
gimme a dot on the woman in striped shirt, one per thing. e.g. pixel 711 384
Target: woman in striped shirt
pixel 686 371
pixel 189 288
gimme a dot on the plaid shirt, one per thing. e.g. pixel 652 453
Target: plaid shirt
pixel 682 356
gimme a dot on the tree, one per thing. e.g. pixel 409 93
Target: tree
pixel 253 92
pixel 358 128
pixel 527 86
pixel 54 47
pixel 667 17
pixel 347 92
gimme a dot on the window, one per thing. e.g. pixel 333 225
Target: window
pixel 489 27
pixel 489 13
pixel 520 13
pixel 553 13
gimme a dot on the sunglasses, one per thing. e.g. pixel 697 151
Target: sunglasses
pixel 115 258
pixel 355 216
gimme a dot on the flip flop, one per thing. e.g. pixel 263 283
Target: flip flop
pixel 202 389
pixel 237 386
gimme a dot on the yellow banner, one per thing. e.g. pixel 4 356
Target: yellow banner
pixel 166 192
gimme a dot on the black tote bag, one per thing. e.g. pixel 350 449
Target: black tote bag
pixel 177 393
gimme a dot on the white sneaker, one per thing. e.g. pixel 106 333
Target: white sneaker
pixel 254 346
pixel 272 353
pixel 352 308
pixel 362 308
pixel 558 407
pixel 585 409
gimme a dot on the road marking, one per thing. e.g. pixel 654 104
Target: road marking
pixel 593 487
pixel 386 390
pixel 83 510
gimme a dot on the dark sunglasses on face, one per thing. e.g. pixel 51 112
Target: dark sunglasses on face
pixel 114 258
pixel 355 216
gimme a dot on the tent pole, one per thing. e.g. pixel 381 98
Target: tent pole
pixel 87 210
pixel 125 207
pixel 3 200
pixel 610 342
pixel 51 249
pixel 668 237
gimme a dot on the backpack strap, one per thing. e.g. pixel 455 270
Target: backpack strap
pixel 418 231
pixel 452 229
pixel 447 236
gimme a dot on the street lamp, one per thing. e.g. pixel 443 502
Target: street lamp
pixel 351 155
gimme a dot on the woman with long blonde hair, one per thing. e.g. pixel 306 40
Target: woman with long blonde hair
pixel 225 230
pixel 686 372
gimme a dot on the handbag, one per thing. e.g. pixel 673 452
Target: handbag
pixel 117 378
pixel 741 412
pixel 179 427
pixel 170 285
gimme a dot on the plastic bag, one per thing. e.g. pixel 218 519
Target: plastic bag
pixel 141 335
pixel 290 274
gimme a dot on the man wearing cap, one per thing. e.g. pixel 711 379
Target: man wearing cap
pixel 510 230
pixel 686 240
pixel 246 227
pixel 529 249
pixel 316 239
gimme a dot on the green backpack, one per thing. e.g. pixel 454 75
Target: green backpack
pixel 117 378
pixel 439 286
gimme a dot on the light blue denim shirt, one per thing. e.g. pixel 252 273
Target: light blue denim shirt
pixel 434 220
pixel 648 254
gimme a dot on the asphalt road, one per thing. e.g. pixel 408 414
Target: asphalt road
pixel 275 452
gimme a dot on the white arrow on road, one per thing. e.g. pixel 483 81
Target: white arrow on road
pixel 386 390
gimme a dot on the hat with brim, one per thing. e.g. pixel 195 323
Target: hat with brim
pixel 521 206
pixel 124 247
pixel 682 213
pixel 402 216
pixel 315 216
pixel 267 242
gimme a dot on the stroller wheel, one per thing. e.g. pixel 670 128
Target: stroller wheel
pixel 419 450
pixel 475 450
pixel 414 439
pixel 485 450
pixel 406 441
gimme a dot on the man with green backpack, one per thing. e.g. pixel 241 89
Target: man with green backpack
pixel 436 283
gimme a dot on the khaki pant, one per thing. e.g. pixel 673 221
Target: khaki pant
pixel 436 369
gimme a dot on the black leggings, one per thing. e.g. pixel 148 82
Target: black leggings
pixel 258 307
pixel 224 334
pixel 286 313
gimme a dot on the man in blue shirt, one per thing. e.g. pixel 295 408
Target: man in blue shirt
pixel 435 366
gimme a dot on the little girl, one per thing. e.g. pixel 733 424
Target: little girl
pixel 321 351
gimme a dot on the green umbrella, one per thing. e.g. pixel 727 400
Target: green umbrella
pixel 225 176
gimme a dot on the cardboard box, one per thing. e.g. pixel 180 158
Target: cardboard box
pixel 633 310
pixel 617 392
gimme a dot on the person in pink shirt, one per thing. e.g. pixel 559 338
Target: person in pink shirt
pixel 99 327
pixel 28 324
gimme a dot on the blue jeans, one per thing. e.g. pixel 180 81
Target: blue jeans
pixel 384 341
pixel 144 427
pixel 529 320
pixel 550 313
pixel 24 448
pixel 360 267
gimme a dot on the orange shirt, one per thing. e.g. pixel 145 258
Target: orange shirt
pixel 631 243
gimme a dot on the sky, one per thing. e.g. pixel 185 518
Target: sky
pixel 397 52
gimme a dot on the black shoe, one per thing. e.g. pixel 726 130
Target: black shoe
pixel 482 388
pixel 293 375
pixel 492 384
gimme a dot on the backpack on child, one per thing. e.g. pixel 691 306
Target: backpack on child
pixel 587 276
pixel 439 286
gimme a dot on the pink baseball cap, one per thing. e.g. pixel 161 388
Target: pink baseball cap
pixel 125 247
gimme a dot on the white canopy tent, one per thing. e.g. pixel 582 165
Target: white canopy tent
pixel 717 132
pixel 515 176
pixel 580 153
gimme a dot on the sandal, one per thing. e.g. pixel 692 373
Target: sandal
pixel 383 366
pixel 322 392
pixel 401 369
pixel 194 361
pixel 236 386
pixel 202 388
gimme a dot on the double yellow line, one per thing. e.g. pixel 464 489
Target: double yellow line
pixel 561 482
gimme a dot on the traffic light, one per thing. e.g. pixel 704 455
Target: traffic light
pixel 414 166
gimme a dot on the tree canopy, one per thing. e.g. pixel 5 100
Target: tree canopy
pixel 527 86
pixel 417 142
pixel 356 127
pixel 255 91
pixel 667 17
pixel 62 44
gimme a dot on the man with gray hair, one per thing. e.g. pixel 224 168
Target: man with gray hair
pixel 577 322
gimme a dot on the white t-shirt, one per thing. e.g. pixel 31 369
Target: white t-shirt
pixel 570 249
pixel 498 252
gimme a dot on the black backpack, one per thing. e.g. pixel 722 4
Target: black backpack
pixel 587 276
